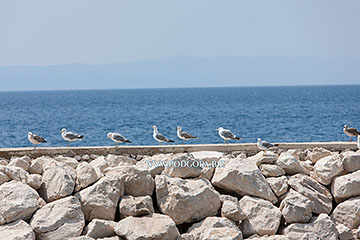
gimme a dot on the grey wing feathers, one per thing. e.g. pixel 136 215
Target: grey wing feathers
pixel 228 134
pixel 71 135
pixel 162 137
pixel 186 135
pixel 119 137
pixel 268 145
pixel 38 138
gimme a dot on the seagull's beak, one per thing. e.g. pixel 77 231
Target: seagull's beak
pixel 107 137
pixel 217 129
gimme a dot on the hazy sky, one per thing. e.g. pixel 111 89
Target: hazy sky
pixel 47 32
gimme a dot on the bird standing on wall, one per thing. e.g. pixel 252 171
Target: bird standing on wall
pixel 159 137
pixel 351 132
pixel 358 142
pixel 184 135
pixel 117 138
pixel 70 137
pixel 35 139
pixel 227 135
pixel 263 145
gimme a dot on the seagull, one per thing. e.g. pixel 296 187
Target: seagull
pixel 117 138
pixel 227 135
pixel 358 142
pixel 35 139
pixel 351 132
pixel 263 145
pixel 184 135
pixel 69 136
pixel 159 137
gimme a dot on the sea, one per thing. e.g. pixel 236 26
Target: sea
pixel 276 114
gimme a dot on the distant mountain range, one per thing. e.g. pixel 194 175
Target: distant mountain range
pixel 184 72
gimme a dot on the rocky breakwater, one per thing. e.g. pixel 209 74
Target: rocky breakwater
pixel 294 194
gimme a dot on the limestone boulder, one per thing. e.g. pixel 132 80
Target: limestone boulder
pixel 279 185
pixel 17 230
pixel 351 161
pixel 243 177
pixel 99 165
pixel 325 169
pixel 85 175
pixel 100 200
pixel 81 238
pixel 207 156
pixel 119 160
pixel 68 161
pixel 3 162
pixel 214 228
pixel 320 196
pixel 186 200
pixel 299 154
pixel 20 162
pixel 136 206
pixel 56 183
pixel 296 208
pixel 346 186
pixel 317 153
pixel 263 217
pixel 269 170
pixel 153 226
pixel 60 219
pixel 137 182
pixel 3 178
pixel 34 181
pixel 99 228
pixel 273 237
pixel 290 164
pixel 320 227
pixel 348 213
pixel 262 158
pixel 17 201
pixel 232 211
pixel 345 233
pixel 154 164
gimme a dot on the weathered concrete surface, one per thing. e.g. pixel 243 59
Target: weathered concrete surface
pixel 250 148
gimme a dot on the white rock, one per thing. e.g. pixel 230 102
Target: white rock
pixel 299 154
pixel 101 199
pixel 290 164
pixel 15 173
pixel 57 183
pixel 3 178
pixel 136 206
pixel 279 185
pixel 60 219
pixel 263 218
pixel 296 208
pixel 72 162
pixel 110 238
pixel 137 182
pixel 34 181
pixel 99 164
pixel 244 178
pixel 320 227
pixel 261 158
pixel 351 161
pixel 20 162
pixel 273 237
pixel 320 197
pixel 17 201
pixel 348 213
pixel 119 160
pixel 17 230
pixel 345 233
pixel 99 228
pixel 214 228
pixel 153 226
pixel 346 186
pixel 207 156
pixel 81 238
pixel 317 153
pixel 3 162
pixel 154 164
pixel 269 170
pixel 186 200
pixel 327 168
pixel 232 211
pixel 36 167
pixel 224 198
pixel 85 175
pixel 44 162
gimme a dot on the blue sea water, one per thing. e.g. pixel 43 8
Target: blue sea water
pixel 277 114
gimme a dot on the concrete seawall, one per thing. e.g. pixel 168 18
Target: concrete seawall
pixel 249 148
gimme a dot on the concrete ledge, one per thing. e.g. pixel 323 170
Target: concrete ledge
pixel 249 148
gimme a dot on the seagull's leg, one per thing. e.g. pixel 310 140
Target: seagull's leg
pixel 34 146
pixel 350 138
pixel 69 143
pixel 224 140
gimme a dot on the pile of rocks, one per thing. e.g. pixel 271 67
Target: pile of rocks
pixel 294 194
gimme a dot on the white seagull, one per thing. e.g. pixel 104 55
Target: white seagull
pixel 117 138
pixel 159 137
pixel 35 139
pixel 184 135
pixel 70 137
pixel 264 145
pixel 358 142
pixel 351 132
pixel 227 134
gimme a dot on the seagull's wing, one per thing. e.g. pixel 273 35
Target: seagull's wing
pixel 38 138
pixel 186 135
pixel 267 144
pixel 162 137
pixel 119 137
pixel 353 131
pixel 71 135
pixel 227 134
